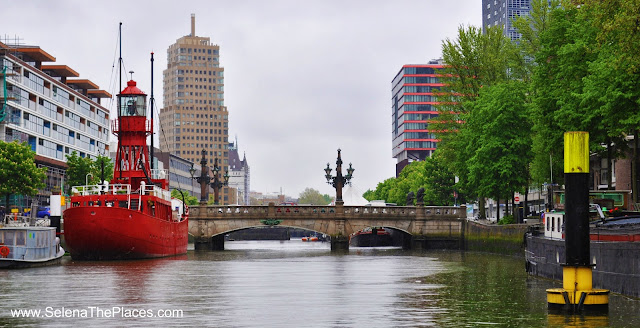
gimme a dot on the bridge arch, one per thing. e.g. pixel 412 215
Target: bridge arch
pixel 208 223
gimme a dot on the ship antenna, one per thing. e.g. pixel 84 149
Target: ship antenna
pixel 152 103
pixel 120 87
pixel 120 58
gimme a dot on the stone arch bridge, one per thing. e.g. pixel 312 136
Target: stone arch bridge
pixel 424 226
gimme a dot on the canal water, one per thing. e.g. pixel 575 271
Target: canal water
pixel 293 284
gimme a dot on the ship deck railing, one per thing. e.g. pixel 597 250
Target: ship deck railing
pixel 101 189
pixel 124 189
pixel 154 190
pixel 15 220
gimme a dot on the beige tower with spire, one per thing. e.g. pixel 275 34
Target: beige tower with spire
pixel 193 116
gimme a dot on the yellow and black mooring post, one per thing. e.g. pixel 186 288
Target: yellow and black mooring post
pixel 577 293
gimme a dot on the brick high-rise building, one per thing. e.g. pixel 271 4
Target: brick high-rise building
pixel 194 116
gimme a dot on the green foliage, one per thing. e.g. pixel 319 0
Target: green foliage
pixel 100 165
pixel 327 198
pixel 507 219
pixel 475 61
pixel 504 107
pixel 411 178
pixel 312 196
pixel 76 174
pixel 383 189
pixel 369 195
pixel 431 174
pixel 583 78
pixel 498 121
pixel 439 181
pixel 18 172
pixel 190 200
pixel 80 167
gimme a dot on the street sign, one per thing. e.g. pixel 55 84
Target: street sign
pixel 516 199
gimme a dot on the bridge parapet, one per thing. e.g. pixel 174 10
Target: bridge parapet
pixel 213 212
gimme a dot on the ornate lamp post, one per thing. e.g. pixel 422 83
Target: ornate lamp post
pixel 217 183
pixel 203 179
pixel 339 180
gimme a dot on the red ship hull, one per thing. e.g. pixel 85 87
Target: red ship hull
pixel 112 233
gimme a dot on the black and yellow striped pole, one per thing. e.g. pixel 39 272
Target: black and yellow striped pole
pixel 577 293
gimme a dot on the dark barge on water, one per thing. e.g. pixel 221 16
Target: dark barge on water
pixel 614 250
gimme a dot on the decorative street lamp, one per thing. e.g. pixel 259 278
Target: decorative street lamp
pixel 217 184
pixel 203 179
pixel 339 180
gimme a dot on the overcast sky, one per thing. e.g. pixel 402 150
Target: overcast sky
pixel 302 78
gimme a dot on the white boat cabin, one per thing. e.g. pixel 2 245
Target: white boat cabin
pixel 28 244
pixel 554 225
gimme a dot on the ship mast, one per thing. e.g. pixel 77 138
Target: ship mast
pixel 132 128
pixel 120 78
pixel 152 102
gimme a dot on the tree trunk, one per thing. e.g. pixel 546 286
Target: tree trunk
pixel 497 209
pixel 6 206
pixel 609 168
pixel 482 215
pixel 525 206
pixel 634 169
pixel 513 206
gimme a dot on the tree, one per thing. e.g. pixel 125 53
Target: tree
pixel 369 195
pixel 102 165
pixel 475 60
pixel 18 171
pixel 615 74
pixel 84 170
pixel 190 200
pixel 410 179
pixel 327 198
pixel 79 167
pixel 499 121
pixel 382 190
pixel 312 196
pixel 439 181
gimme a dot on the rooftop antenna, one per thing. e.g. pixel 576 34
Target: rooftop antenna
pixel 131 72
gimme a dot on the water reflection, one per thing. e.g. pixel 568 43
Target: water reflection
pixel 293 284
pixel 483 289
pixel 130 281
pixel 569 321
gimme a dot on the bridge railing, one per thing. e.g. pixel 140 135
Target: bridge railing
pixel 283 211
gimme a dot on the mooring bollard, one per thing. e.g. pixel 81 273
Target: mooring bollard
pixel 577 293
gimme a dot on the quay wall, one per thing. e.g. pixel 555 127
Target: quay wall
pixel 502 239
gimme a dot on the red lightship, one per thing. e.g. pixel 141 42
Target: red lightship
pixel 133 216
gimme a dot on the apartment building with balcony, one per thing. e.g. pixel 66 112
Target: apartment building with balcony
pixel 51 109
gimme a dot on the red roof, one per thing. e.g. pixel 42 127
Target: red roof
pixel 131 89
